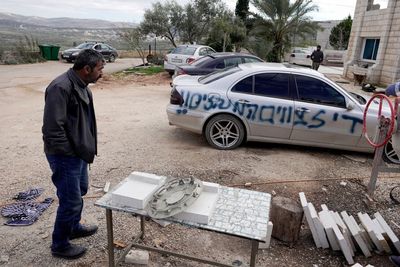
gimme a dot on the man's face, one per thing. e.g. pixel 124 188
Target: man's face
pixel 92 75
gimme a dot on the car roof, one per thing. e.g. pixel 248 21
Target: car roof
pixel 225 54
pixel 278 67
pixel 190 45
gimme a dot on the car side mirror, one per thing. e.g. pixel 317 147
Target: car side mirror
pixel 350 105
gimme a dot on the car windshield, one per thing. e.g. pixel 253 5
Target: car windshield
pixel 184 50
pixel 216 75
pixel 84 46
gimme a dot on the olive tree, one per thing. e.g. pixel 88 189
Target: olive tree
pixel 199 15
pixel 163 20
pixel 227 31
pixel 135 39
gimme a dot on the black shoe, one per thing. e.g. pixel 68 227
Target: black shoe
pixel 85 230
pixel 395 260
pixel 71 252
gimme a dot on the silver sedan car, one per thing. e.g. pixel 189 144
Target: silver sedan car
pixel 270 102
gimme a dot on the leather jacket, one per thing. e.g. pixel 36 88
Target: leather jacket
pixel 69 121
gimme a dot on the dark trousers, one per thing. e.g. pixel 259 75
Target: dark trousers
pixel 315 65
pixel 70 176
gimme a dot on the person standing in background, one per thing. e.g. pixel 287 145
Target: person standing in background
pixel 317 57
pixel 70 144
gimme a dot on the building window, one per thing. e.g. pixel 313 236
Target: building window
pixel 371 47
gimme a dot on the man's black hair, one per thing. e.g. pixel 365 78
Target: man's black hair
pixel 318 46
pixel 88 57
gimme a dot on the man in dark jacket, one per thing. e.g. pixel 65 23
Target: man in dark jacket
pixel 70 143
pixel 317 57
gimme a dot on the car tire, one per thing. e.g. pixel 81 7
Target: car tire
pixel 69 60
pixel 389 155
pixel 224 132
pixel 111 58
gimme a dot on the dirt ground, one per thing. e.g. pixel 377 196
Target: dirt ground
pixel 134 135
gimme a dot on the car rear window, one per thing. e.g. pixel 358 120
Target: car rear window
pixel 200 61
pixel 84 46
pixel 184 50
pixel 216 75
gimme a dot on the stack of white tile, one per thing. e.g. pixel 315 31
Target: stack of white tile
pixel 341 231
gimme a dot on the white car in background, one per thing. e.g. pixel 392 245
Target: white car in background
pixel 185 54
pixel 271 102
pixel 301 56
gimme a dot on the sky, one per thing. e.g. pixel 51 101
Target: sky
pixel 133 10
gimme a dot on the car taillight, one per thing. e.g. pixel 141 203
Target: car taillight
pixel 165 58
pixel 189 60
pixel 176 98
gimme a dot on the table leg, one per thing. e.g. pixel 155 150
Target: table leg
pixel 110 238
pixel 142 220
pixel 254 250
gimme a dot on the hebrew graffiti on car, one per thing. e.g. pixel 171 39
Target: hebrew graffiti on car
pixel 271 114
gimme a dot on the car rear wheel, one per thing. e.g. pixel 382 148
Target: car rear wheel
pixel 389 154
pixel 112 58
pixel 224 132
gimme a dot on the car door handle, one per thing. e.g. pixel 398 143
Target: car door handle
pixel 303 109
pixel 243 101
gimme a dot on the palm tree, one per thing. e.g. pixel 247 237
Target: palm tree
pixel 277 20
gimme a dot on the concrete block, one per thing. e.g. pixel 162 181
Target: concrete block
pixel 344 245
pixel 324 207
pixel 309 219
pixel 389 232
pixel 267 243
pixel 318 226
pixel 201 210
pixel 136 190
pixel 374 232
pixel 344 230
pixel 328 226
pixel 137 257
pixel 366 238
pixel 356 265
pixel 355 231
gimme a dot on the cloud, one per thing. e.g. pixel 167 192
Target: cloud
pixel 133 10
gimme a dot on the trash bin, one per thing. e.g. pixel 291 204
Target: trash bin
pixel 54 52
pixel 45 51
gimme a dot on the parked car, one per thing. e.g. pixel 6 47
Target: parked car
pixel 272 102
pixel 215 61
pixel 301 57
pixel 106 50
pixel 184 54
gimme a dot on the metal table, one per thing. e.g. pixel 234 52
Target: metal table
pixel 238 212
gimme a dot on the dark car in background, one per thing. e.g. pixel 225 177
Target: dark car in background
pixel 215 61
pixel 106 50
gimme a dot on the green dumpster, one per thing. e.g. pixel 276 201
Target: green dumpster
pixel 54 52
pixel 45 51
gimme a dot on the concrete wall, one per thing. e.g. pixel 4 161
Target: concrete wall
pixel 383 24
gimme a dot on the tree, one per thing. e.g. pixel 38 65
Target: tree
pixel 242 9
pixel 198 18
pixel 226 31
pixel 163 20
pixel 340 34
pixel 135 38
pixel 277 20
